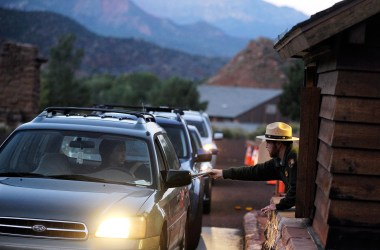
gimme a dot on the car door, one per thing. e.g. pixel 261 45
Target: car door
pixel 176 197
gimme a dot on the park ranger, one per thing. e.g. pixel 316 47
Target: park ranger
pixel 282 166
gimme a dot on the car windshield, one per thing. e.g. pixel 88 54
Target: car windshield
pixel 77 155
pixel 201 126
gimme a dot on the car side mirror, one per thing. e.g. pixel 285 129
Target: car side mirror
pixel 218 136
pixel 176 178
pixel 203 155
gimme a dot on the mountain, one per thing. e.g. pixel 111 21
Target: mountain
pixel 124 19
pixel 249 19
pixel 256 66
pixel 104 54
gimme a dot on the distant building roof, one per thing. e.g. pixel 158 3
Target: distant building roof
pixel 230 102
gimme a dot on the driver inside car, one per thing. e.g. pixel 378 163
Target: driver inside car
pixel 112 153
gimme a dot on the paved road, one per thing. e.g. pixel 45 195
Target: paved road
pixel 228 194
pixel 231 200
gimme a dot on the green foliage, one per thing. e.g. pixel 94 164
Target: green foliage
pixel 132 89
pixel 177 92
pixel 289 104
pixel 59 86
pixel 142 89
pixel 229 133
pixel 259 131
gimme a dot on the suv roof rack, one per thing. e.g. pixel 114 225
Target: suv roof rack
pixel 143 108
pixel 97 111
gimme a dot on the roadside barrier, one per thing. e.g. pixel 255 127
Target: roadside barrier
pixel 255 155
pixel 248 156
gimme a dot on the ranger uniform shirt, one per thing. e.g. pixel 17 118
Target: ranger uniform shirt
pixel 273 169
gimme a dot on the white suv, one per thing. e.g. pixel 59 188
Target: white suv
pixel 202 122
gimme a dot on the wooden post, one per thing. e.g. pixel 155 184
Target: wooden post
pixel 308 146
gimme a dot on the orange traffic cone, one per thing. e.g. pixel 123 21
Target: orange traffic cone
pixel 255 155
pixel 248 156
pixel 272 182
pixel 281 187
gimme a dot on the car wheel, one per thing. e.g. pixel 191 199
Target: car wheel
pixel 184 243
pixel 206 207
pixel 163 240
pixel 196 229
pixel 207 199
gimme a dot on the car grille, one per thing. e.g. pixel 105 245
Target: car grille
pixel 43 228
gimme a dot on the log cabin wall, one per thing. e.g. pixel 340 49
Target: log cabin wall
pixel 347 199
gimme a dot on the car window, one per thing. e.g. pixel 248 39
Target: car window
pixel 103 156
pixel 201 126
pixel 169 152
pixel 178 138
pixel 160 157
pixel 195 140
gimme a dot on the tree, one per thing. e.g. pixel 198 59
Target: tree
pixel 289 104
pixel 141 84
pixel 59 86
pixel 132 89
pixel 177 92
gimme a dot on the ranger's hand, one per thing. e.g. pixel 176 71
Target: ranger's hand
pixel 216 174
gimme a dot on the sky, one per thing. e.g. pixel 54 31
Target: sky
pixel 309 7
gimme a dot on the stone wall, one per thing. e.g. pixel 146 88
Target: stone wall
pixel 19 84
pixel 285 232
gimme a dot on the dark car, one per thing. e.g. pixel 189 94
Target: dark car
pixel 208 136
pixel 176 127
pixel 202 167
pixel 86 178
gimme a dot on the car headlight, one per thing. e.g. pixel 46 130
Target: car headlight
pixel 208 147
pixel 122 227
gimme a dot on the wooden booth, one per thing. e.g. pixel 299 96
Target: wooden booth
pixel 338 186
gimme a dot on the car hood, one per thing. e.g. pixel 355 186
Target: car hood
pixel 67 200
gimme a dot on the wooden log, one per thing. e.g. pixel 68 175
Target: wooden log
pixel 358 57
pixel 350 135
pixel 323 180
pixel 350 83
pixel 320 228
pixel 349 161
pixel 348 187
pixel 355 187
pixel 353 238
pixel 350 109
pixel 322 204
pixel 354 213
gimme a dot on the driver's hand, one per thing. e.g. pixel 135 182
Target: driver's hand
pixel 216 174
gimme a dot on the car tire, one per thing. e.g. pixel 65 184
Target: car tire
pixel 184 243
pixel 163 239
pixel 196 229
pixel 208 194
pixel 206 207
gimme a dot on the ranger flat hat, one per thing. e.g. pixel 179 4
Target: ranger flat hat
pixel 278 131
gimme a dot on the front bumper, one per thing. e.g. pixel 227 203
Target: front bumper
pixel 24 243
